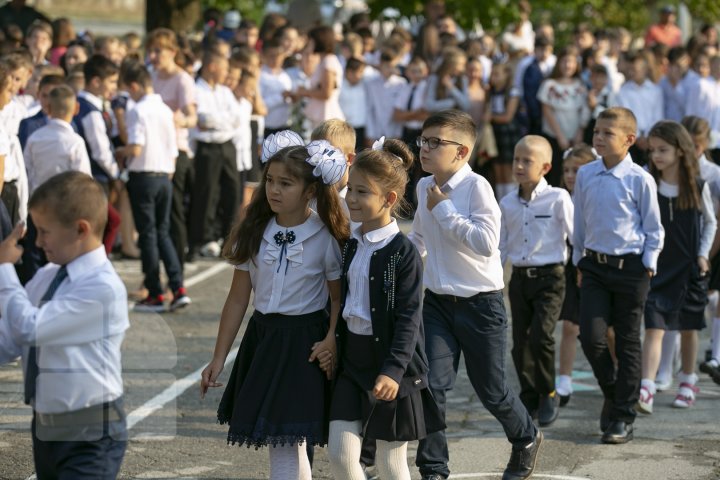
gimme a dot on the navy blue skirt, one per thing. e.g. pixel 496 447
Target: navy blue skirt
pixel 274 395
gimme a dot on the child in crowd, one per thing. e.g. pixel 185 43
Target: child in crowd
pixel 616 245
pixel 353 99
pixel 382 92
pixel 150 155
pixel 457 225
pixel 599 97
pixel 564 98
pixel 536 220
pixel 448 86
pixel 575 158
pixel 29 124
pixel 69 323
pixel 383 395
pixel 501 107
pixel 275 84
pixel 283 243
pixel 680 287
pixel 39 39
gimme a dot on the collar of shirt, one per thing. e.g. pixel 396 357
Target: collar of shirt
pixel 302 232
pixel 377 236
pixel 86 262
pixel 58 123
pixel 96 101
pixel 619 170
pixel 150 98
pixel 539 189
pixel 455 180
pixel 201 83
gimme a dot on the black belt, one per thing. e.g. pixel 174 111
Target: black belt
pixel 614 261
pixel 456 299
pixel 97 414
pixel 534 272
pixel 148 174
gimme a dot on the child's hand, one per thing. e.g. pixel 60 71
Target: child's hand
pixel 10 251
pixel 325 352
pixel 209 375
pixel 385 388
pixel 704 266
pixel 434 196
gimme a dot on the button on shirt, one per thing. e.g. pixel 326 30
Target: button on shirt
pixel 617 212
pixel 150 124
pixel 293 280
pixel 357 312
pixel 53 149
pixel 460 236
pixel 218 110
pixel 535 233
pixel 79 332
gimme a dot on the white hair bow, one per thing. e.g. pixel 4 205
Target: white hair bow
pixel 378 144
pixel 277 141
pixel 329 162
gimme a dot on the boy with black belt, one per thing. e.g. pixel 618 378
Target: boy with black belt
pixel 457 224
pixel 537 221
pixel 617 240
pixel 152 150
pixel 68 323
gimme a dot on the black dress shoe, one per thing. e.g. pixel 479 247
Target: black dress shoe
pixel 564 399
pixel 434 476
pixel 605 415
pixel 548 410
pixel 522 460
pixel 618 432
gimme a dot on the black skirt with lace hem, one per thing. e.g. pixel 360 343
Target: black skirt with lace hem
pixel 274 396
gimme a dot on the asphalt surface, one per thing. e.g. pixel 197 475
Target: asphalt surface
pixel 174 434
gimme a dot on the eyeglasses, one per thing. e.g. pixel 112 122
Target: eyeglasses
pixel 434 142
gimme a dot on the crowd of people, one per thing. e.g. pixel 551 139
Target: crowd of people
pixel 590 169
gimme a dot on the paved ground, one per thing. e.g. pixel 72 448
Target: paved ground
pixel 180 439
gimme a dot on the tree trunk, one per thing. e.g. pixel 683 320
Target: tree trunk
pixel 178 15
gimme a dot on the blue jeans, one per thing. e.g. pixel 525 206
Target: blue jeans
pixel 150 199
pixel 477 327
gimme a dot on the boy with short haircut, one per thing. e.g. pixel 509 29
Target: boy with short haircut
pixel 275 85
pixel 56 148
pixel 69 323
pixel 600 97
pixel 457 224
pixel 352 99
pixel 381 92
pixel 536 220
pixel 39 39
pixel 29 124
pixel 152 150
pixel 618 236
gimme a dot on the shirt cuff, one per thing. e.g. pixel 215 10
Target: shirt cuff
pixel 650 259
pixel 443 209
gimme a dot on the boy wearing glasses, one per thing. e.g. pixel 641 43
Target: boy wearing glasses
pixel 457 225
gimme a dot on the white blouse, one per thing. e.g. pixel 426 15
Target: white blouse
pixel 289 274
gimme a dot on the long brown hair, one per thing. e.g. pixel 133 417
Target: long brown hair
pixel 675 135
pixel 449 57
pixel 245 238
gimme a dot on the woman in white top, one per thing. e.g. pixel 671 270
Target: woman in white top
pixel 325 80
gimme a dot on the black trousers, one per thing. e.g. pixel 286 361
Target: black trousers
pixel 182 184
pixel 216 185
pixel 614 297
pixel 9 197
pixel 535 304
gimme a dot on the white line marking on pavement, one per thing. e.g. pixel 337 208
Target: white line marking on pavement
pixel 204 275
pixel 169 394
pixel 535 475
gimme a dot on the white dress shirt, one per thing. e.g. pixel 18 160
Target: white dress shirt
pixel 460 236
pixel 357 304
pixel 419 92
pixel 709 222
pixel 292 280
pixel 617 212
pixel 242 139
pixel 53 149
pixel 381 95
pixel 218 111
pixel 353 102
pixel 78 333
pixel 15 168
pixel 704 102
pixel 710 172
pixel 272 87
pixel 456 97
pixel 151 125
pixel 645 101
pixel 12 114
pixel 96 136
pixel 535 233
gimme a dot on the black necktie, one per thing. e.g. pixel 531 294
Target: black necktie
pixel 32 371
pixel 412 96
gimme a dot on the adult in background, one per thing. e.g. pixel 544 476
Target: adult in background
pixel 665 31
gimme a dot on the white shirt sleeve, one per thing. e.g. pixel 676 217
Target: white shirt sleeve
pixel 99 143
pixel 503 236
pixel 709 224
pixel 333 261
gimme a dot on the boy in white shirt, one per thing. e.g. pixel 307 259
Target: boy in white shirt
pixel 353 99
pixel 457 224
pixel 152 149
pixel 275 84
pixel 381 94
pixel 537 220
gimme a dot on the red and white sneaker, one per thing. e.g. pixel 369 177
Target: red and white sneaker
pixel 685 397
pixel 180 299
pixel 645 402
pixel 150 304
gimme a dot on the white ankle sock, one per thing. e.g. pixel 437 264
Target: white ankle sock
pixel 665 370
pixel 716 338
pixel 564 385
pixel 649 385
pixel 685 378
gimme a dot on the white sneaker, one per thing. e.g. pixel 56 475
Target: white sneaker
pixel 645 402
pixel 685 397
pixel 210 249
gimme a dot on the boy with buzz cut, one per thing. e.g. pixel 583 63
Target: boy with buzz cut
pixel 457 225
pixel 536 223
pixel 618 236
pixel 151 151
pixel 68 323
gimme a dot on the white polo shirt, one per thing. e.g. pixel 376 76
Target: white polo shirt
pixel 150 124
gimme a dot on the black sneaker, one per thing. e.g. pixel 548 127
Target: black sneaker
pixel 180 299
pixel 522 460
pixel 150 304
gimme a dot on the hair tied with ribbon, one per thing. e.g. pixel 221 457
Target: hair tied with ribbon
pixel 277 141
pixel 329 162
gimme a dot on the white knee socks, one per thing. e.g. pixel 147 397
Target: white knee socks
pixel 289 462
pixel 344 450
pixel 669 347
pixel 391 460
